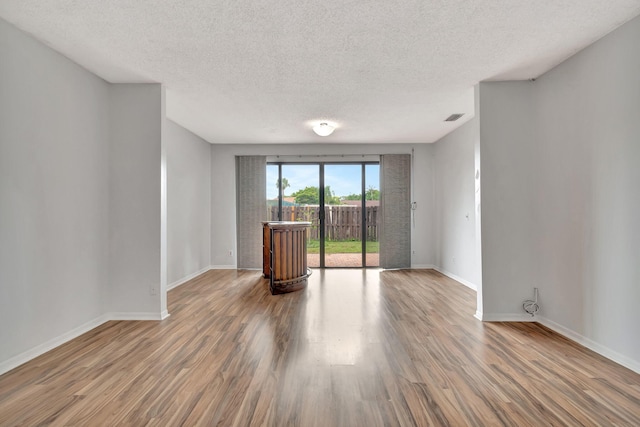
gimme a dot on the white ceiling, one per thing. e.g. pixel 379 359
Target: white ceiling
pixel 265 71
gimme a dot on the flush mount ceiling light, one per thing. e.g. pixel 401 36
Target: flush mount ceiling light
pixel 323 129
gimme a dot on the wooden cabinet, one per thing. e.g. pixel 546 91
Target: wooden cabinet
pixel 285 255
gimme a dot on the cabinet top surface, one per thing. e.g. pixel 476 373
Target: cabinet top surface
pixel 283 224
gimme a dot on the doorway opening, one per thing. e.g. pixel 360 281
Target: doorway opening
pixel 344 216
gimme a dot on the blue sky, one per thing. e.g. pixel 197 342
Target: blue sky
pixel 343 179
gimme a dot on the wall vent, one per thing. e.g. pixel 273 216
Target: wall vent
pixel 454 117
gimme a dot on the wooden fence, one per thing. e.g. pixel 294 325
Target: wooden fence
pixel 343 222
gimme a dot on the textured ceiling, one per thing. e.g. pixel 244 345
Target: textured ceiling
pixel 265 71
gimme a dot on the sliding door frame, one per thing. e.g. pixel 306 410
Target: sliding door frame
pixel 321 197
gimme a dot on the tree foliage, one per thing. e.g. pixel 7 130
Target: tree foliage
pixel 311 196
pixel 307 196
pixel 329 197
pixel 370 194
pixel 353 197
pixel 285 184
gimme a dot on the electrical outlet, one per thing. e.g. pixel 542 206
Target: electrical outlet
pixel 230 252
pixel 153 290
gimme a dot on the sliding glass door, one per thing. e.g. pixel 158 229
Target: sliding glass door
pixel 293 195
pixel 371 217
pixel 344 220
pixel 343 215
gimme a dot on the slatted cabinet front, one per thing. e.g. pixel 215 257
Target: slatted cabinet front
pixel 285 255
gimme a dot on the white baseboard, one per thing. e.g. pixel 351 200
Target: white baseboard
pixel 224 267
pixel 465 282
pixel 505 317
pixel 138 316
pixel 38 350
pixel 612 355
pixel 620 359
pixel 423 267
pixel 187 278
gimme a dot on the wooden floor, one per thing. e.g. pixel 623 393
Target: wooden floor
pixel 356 348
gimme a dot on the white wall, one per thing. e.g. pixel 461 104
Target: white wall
pixel 54 182
pixel 80 199
pixel 423 232
pixel 587 193
pixel 189 203
pixel 223 220
pixel 560 195
pixel 455 204
pixel 506 147
pixel 135 201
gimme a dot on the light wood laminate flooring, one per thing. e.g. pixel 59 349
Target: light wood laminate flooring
pixel 355 348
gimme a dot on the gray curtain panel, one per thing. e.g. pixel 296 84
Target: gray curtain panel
pixel 251 196
pixel 395 203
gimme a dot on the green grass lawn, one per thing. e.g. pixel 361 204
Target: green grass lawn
pixel 341 247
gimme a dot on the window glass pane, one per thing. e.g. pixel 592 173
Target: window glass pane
pixel 372 196
pixel 301 203
pixel 272 193
pixel 343 215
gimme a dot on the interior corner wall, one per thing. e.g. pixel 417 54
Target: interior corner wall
pixel 587 196
pixel 135 200
pixel 455 204
pixel 54 210
pixel 560 195
pixel 189 204
pixel 507 142
pixel 223 198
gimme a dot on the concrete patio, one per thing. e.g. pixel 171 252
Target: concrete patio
pixel 343 260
